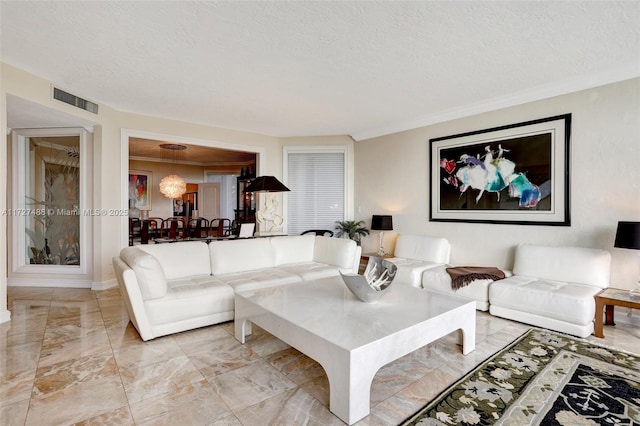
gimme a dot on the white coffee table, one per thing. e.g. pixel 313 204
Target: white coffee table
pixel 349 338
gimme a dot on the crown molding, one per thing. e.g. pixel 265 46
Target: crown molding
pixel 534 94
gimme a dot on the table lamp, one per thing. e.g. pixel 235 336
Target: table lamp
pixel 628 237
pixel 381 223
pixel 268 214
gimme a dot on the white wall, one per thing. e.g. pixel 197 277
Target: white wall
pixel 392 178
pixel 110 159
pixel 109 175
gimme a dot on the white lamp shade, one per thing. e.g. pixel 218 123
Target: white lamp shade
pixel 173 186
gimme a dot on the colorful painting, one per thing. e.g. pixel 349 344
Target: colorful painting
pixel 140 189
pixel 511 174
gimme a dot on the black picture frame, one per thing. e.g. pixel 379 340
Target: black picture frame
pixel 514 174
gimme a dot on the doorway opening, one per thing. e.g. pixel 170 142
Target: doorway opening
pixel 211 170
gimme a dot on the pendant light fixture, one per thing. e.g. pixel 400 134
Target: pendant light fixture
pixel 173 186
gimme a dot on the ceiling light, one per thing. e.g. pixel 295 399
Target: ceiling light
pixel 173 186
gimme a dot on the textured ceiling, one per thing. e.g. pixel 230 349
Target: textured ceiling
pixel 321 68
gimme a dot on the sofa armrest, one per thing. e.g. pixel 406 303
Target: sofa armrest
pixel 423 247
pixel 148 270
pixel 132 296
pixel 340 252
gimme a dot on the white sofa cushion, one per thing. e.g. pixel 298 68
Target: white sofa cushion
pixel 423 247
pixel 186 298
pixel 180 260
pixel 292 249
pixel 566 264
pixel 311 270
pixel 567 302
pixel 410 271
pixel 437 279
pixel 258 279
pixel 334 251
pixel 149 274
pixel 232 256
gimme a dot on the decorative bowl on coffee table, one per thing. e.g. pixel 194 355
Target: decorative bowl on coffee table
pixel 375 282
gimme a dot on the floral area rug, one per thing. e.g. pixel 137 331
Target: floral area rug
pixel 543 378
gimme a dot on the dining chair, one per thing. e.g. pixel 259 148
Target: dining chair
pixel 173 227
pixel 134 229
pixel 220 227
pixel 320 232
pixel 197 226
pixel 155 226
pixel 144 231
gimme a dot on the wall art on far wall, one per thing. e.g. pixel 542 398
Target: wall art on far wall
pixel 514 174
pixel 140 182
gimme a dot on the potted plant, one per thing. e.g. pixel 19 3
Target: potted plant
pixel 352 229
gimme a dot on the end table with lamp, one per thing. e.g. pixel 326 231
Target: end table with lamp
pixel 627 237
pixel 381 223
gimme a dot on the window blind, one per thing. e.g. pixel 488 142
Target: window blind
pixel 316 181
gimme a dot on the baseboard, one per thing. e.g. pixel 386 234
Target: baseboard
pixel 47 282
pixel 5 316
pixel 104 285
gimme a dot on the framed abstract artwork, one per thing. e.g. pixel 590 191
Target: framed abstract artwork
pixel 512 174
pixel 140 184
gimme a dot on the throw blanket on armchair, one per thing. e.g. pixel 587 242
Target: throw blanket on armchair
pixel 461 276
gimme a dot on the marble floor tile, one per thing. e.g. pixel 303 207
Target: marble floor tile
pixel 13 413
pixel 164 377
pixel 77 402
pixel 67 374
pixel 62 330
pixel 263 343
pixel 32 293
pixel 113 311
pixel 118 417
pixel 295 365
pixel 67 310
pixel 16 387
pixel 293 407
pixel 122 333
pixel 193 404
pixel 91 343
pixel 17 358
pixel 151 352
pixel 12 337
pixel 396 376
pixel 246 386
pixel 220 356
pixel 193 340
pixel 318 388
pixel 71 356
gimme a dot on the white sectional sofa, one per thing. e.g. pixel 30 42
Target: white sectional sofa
pixel 169 288
pixel 422 261
pixel 414 254
pixel 552 287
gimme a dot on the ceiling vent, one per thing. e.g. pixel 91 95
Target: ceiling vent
pixel 74 100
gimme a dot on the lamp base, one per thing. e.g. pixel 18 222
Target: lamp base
pixel 268 215
pixel 381 250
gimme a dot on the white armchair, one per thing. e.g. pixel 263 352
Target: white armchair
pixel 415 254
pixel 552 287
